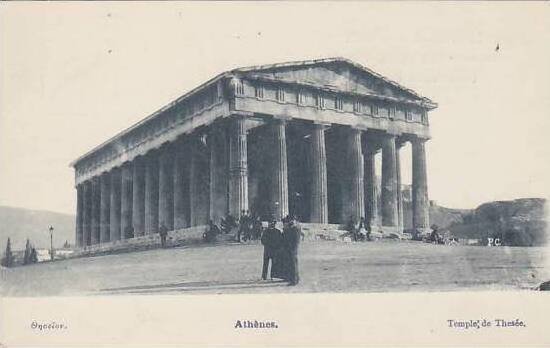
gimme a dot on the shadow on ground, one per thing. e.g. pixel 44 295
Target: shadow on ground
pixel 194 286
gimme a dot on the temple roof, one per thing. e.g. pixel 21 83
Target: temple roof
pixel 364 80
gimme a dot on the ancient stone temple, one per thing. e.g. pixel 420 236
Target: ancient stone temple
pixel 296 138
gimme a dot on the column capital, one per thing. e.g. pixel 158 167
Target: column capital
pixel 418 139
pixel 360 127
pixel 399 143
pixel 320 125
pixel 281 118
pixel 241 114
pixel 369 150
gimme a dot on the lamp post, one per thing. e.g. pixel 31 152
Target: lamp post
pixel 51 242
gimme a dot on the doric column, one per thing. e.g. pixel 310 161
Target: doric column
pixel 87 214
pixel 104 211
pixel 389 182
pixel 199 181
pixel 79 215
pixel 400 226
pixel 115 204
pixel 194 188
pixel 371 206
pixel 218 174
pixel 151 193
pixel 354 202
pixel 180 195
pixel 421 204
pixel 166 192
pixel 138 196
pixel 318 196
pixel 126 199
pixel 96 197
pixel 279 179
pixel 238 168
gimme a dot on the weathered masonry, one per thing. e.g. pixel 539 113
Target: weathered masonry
pixel 295 138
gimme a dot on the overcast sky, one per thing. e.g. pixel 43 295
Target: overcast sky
pixel 75 74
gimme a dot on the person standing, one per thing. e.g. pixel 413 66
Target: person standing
pixel 257 228
pixel 272 240
pixel 163 232
pixel 361 229
pixel 292 238
pixel 243 222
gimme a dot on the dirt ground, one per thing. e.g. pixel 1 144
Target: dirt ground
pixel 324 267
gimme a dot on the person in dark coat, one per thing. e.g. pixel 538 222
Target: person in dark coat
pixel 243 225
pixel 257 228
pixel 362 229
pixel 272 240
pixel 163 232
pixel 212 232
pixel 351 228
pixel 292 238
pixel 129 232
pixel 228 223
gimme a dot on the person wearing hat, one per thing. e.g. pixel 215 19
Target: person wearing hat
pixel 163 232
pixel 292 238
pixel 272 240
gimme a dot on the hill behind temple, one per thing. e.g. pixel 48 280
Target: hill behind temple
pixel 20 224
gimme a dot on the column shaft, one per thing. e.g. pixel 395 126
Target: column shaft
pixel 151 194
pixel 199 182
pixel 105 182
pixel 400 226
pixel 96 197
pixel 421 204
pixel 166 192
pixel 389 182
pixel 126 213
pixel 180 195
pixel 138 196
pixel 218 175
pixel 354 206
pixel 238 168
pixel 115 204
pixel 79 216
pixel 371 206
pixel 87 214
pixel 279 179
pixel 318 195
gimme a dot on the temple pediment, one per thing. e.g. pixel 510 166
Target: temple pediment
pixel 334 73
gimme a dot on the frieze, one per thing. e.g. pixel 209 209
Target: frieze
pixel 143 140
pixel 375 106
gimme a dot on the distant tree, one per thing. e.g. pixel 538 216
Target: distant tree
pixel 7 261
pixel 34 256
pixel 27 257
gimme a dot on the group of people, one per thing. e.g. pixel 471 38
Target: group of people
pixel 249 227
pixel 280 247
pixel 358 231
pixel 281 250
